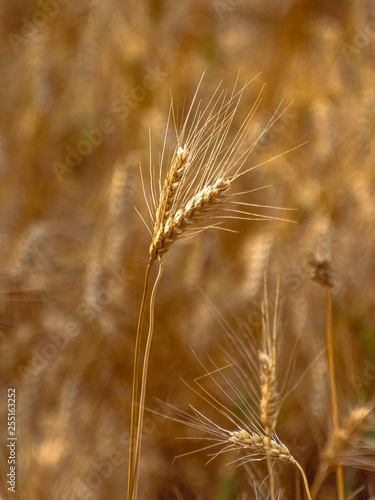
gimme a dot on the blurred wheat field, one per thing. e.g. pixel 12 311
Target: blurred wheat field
pixel 82 84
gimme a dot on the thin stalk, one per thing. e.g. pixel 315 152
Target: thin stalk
pixel 144 381
pixel 135 392
pixel 269 467
pixel 332 381
pixel 297 482
pixel 304 478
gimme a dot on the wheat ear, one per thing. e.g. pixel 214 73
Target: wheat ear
pixel 343 442
pixel 259 445
pixel 167 197
pixel 270 398
pixel 133 466
pixel 344 439
pixel 252 441
pixel 197 178
pixel 268 448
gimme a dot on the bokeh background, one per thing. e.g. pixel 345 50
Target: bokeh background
pixel 82 84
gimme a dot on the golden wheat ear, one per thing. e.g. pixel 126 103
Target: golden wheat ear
pixel 242 439
pixel 255 374
pixel 349 445
pixel 344 444
pixel 166 200
pixel 270 397
pixel 195 185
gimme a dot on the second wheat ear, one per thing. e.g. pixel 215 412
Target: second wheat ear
pixel 197 183
pixel 241 400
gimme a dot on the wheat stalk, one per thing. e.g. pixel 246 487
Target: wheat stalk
pixel 323 274
pixel 199 175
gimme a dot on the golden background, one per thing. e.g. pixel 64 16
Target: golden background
pixel 82 83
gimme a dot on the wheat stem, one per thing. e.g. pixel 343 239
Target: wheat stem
pixel 303 477
pixel 332 380
pixel 269 467
pixel 135 390
pixel 144 380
